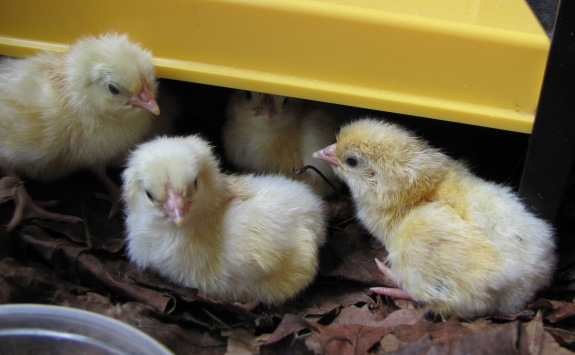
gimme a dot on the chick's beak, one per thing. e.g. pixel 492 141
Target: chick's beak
pixel 327 154
pixel 175 206
pixel 146 100
pixel 266 107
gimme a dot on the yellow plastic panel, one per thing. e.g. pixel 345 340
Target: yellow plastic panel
pixel 473 61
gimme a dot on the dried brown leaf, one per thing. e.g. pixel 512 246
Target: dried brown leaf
pixel 345 339
pixel 539 341
pixel 291 324
pixel 554 311
pixel 403 317
pixel 504 339
pixel 323 300
pixel 350 254
pixel 20 283
pixel 359 329
pixel 390 343
pixel 564 337
pixel 289 336
pixel 365 315
pixel 243 342
pixel 85 268
pixel 422 345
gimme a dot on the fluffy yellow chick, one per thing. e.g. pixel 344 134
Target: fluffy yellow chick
pixel 457 243
pixel 162 125
pixel 61 112
pixel 244 238
pixel 275 134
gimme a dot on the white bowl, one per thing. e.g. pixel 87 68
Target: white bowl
pixel 44 329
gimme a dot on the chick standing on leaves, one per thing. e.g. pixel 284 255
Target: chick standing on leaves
pixel 245 238
pixel 275 134
pixel 62 112
pixel 455 242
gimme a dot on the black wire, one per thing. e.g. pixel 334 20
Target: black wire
pixel 300 171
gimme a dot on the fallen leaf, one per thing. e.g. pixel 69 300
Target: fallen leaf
pixel 289 325
pixel 554 311
pixel 289 336
pixel 420 346
pixel 243 342
pixel 539 340
pixel 565 338
pixel 350 254
pixel 345 339
pixel 390 343
pixel 365 315
pixel 505 339
pixel 402 317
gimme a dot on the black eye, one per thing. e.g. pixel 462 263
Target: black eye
pixel 150 196
pixel 351 161
pixel 113 89
pixel 248 95
pixel 196 184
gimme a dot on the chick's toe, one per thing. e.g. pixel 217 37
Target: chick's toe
pixel 26 208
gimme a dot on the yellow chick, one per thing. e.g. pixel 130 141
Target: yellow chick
pixel 457 243
pixel 162 125
pixel 245 238
pixel 61 112
pixel 275 134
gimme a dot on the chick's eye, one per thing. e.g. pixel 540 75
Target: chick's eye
pixel 196 184
pixel 351 161
pixel 113 89
pixel 150 196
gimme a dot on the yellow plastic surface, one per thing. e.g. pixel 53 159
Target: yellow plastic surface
pixel 473 61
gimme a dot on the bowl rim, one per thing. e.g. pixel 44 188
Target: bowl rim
pixel 94 319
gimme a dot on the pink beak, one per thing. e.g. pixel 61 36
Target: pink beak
pixel 267 106
pixel 327 154
pixel 175 206
pixel 146 100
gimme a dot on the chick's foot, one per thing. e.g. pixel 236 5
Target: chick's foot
pixel 394 292
pixel 26 208
pixel 114 192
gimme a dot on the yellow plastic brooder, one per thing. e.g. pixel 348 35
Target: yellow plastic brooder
pixel 472 61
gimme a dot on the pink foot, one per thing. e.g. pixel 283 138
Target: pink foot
pixel 27 208
pixel 387 272
pixel 394 292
